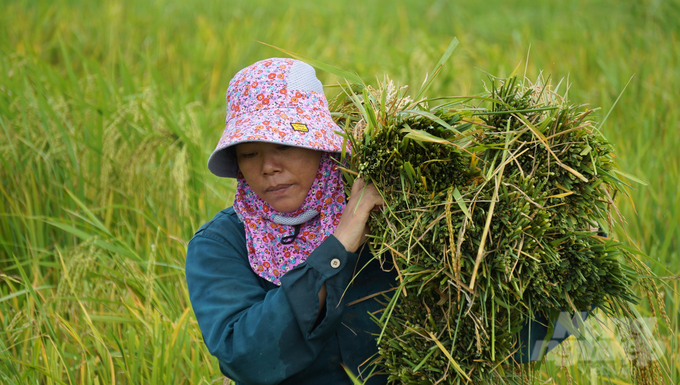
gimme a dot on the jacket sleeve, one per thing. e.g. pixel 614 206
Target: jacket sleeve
pixel 263 336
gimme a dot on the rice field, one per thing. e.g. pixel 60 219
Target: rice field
pixel 109 111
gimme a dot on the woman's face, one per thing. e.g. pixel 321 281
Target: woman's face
pixel 281 175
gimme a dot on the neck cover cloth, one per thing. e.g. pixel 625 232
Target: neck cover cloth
pixel 268 256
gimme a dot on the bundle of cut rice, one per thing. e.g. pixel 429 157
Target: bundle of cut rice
pixel 496 208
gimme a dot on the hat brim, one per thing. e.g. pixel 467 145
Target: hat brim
pixel 314 130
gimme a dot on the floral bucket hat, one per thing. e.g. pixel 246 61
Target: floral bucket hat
pixel 278 101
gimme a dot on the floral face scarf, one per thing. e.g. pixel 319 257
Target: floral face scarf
pixel 277 242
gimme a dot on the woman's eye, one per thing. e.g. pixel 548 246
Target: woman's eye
pixel 248 155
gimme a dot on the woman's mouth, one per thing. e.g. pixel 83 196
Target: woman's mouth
pixel 278 189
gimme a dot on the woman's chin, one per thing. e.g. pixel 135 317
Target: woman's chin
pixel 285 205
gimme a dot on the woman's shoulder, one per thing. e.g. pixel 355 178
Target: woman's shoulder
pixel 223 226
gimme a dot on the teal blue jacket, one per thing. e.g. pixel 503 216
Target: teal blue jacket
pixel 267 334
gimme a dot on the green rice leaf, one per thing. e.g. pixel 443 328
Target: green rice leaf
pixel 432 117
pixel 461 204
pixel 630 177
pixel 348 76
pixel 423 136
pixel 437 68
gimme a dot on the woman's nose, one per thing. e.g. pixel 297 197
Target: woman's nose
pixel 271 165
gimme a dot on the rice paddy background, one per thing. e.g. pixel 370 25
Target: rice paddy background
pixel 109 110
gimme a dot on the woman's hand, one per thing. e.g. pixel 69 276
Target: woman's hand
pixel 352 230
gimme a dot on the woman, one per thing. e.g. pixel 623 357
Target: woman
pixel 274 280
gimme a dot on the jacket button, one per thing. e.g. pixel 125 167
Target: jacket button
pixel 335 263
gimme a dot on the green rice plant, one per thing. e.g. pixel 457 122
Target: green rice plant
pixel 493 207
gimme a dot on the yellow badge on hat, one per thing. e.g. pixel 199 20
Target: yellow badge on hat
pixel 299 127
